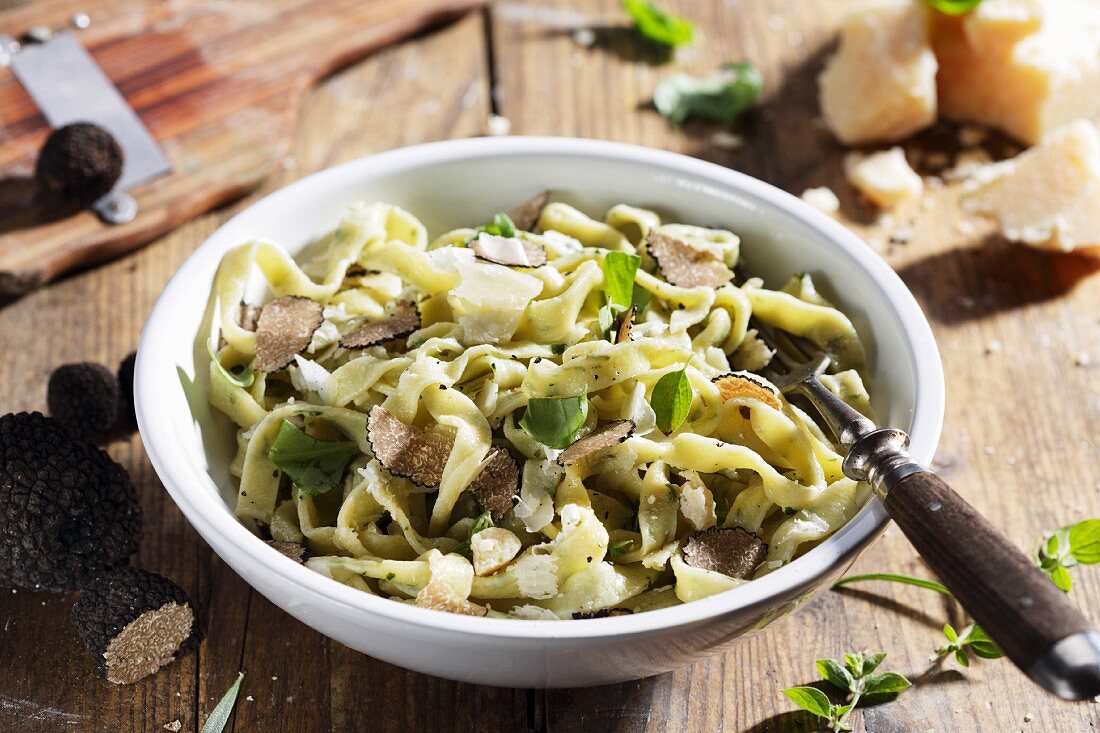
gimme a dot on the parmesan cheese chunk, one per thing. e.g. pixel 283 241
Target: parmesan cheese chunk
pixel 493 548
pixel 885 177
pixel 1048 196
pixel 1023 66
pixel 881 84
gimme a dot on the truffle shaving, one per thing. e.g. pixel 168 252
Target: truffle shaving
pixel 293 550
pixel 626 325
pixel 526 215
pixel 497 483
pixel 134 622
pixel 285 328
pixel 68 513
pixel 403 319
pixel 407 451
pixel 602 438
pixel 733 552
pixel 602 613
pixel 508 251
pixel 684 265
pixel 247 316
pixel 733 386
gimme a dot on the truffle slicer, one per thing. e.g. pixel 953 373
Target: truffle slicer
pixel 69 86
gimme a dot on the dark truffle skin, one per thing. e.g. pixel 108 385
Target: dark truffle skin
pixel 114 601
pixel 81 162
pixel 68 513
pixel 602 613
pixel 86 397
pixel 126 389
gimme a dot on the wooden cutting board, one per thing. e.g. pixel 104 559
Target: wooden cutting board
pixel 217 82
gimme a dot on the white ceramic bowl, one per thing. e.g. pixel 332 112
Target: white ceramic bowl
pixel 454 183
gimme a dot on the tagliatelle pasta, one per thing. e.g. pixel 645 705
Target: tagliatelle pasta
pixel 553 384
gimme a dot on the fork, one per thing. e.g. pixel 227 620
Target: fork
pixel 1034 623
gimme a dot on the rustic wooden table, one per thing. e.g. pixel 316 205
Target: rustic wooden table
pixel 1015 328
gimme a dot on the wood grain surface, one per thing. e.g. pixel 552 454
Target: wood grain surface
pixel 1020 439
pixel 218 84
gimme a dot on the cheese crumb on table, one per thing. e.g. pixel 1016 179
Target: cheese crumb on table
pixel 1048 196
pixel 1023 66
pixel 822 199
pixel 881 83
pixel 885 177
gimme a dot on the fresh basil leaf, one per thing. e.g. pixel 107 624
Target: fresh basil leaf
pixel 641 297
pixel 237 376
pixel 885 683
pixel 671 400
pixel 720 97
pixel 554 421
pixel 619 548
pixel 811 700
pixel 219 716
pixel 954 7
pixel 619 269
pixel 1084 541
pixel 658 25
pixel 607 317
pixel 315 466
pixel 834 673
pixel 504 225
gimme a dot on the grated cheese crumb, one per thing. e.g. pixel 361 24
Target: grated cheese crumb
pixel 822 198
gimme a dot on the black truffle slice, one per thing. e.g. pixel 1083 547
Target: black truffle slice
pixel 626 325
pixel 81 162
pixel 533 255
pixel 248 316
pixel 731 386
pixel 526 215
pixel 293 550
pixel 497 483
pixel 68 513
pixel 733 552
pixel 86 397
pixel 602 613
pixel 134 622
pixel 404 318
pixel 407 451
pixel 126 389
pixel 285 328
pixel 686 266
pixel 598 440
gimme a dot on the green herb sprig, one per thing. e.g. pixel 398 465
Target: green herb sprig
pixel 315 466
pixel 501 226
pixel 971 639
pixel 720 97
pixel 221 713
pixel 554 421
pixel 618 548
pixel 857 676
pixel 1074 544
pixel 483 522
pixel 660 26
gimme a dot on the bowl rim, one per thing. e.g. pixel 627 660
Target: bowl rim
pixel 179 474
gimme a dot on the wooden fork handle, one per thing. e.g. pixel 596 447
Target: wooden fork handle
pixel 1036 625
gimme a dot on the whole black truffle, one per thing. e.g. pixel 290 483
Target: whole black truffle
pixel 126 387
pixel 81 162
pixel 86 397
pixel 68 513
pixel 134 622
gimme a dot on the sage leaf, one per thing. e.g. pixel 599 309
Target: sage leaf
pixel 219 716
